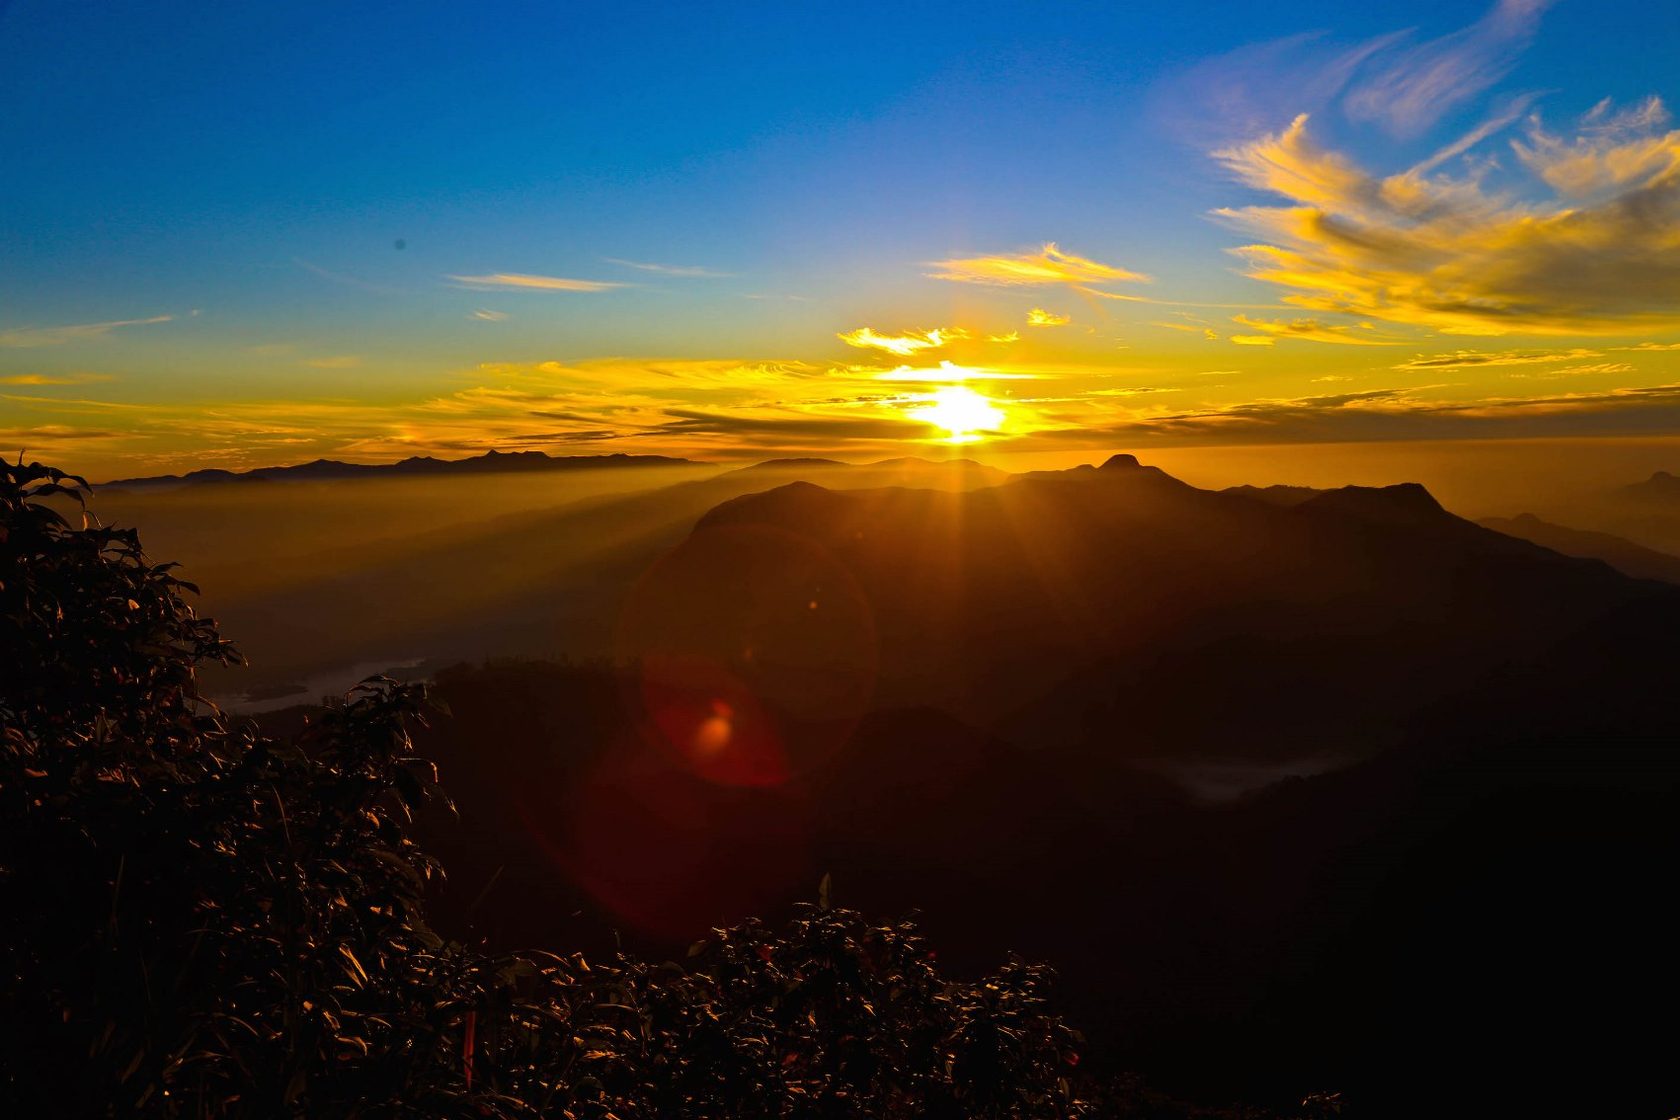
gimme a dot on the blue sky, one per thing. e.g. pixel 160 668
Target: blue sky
pixel 249 172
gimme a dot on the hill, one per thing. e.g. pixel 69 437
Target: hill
pixel 1624 555
pixel 491 462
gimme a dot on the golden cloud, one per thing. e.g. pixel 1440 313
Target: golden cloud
pixel 1038 317
pixel 1446 254
pixel 1469 359
pixel 867 338
pixel 1050 265
pixel 518 281
pixel 37 379
pixel 1304 330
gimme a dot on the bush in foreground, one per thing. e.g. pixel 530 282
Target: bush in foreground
pixel 198 920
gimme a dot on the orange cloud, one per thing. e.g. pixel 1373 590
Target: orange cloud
pixel 1470 359
pixel 35 379
pixel 522 282
pixel 1304 330
pixel 1038 317
pixel 1443 253
pixel 1050 265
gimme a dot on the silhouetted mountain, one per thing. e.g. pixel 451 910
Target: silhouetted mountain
pixel 491 462
pixel 1119 609
pixel 547 581
pixel 1277 495
pixel 1660 487
pixel 1622 554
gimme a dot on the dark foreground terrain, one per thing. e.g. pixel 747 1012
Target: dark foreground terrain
pixel 1297 790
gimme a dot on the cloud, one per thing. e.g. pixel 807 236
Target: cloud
pixel 904 345
pixel 1012 336
pixel 779 426
pixel 335 361
pixel 1050 265
pixel 1249 90
pixel 1469 359
pixel 27 337
pixel 1574 371
pixel 1410 89
pixel 1443 253
pixel 693 272
pixel 487 316
pixel 1038 317
pixel 35 379
pixel 517 281
pixel 1391 79
pixel 1611 150
pixel 1303 330
pixel 52 433
pixel 1651 347
pixel 1392 414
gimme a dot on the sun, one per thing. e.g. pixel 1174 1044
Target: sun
pixel 961 411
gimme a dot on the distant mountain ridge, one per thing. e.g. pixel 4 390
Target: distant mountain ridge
pixel 1661 487
pixel 1118 609
pixel 491 462
pixel 1620 553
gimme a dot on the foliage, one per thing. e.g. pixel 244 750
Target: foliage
pixel 199 920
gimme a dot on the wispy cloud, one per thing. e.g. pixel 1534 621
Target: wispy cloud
pixel 689 272
pixel 38 379
pixel 1470 359
pixel 1392 414
pixel 1610 151
pixel 1305 330
pixel 910 342
pixel 519 281
pixel 1410 89
pixel 1038 317
pixel 484 315
pixel 1443 253
pixel 27 337
pixel 1050 265
pixel 1651 347
pixel 1594 369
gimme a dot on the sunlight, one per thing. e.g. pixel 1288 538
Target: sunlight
pixel 961 411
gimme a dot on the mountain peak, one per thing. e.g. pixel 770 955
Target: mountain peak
pixel 1121 462
pixel 1402 502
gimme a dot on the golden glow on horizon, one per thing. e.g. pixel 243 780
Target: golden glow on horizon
pixel 962 412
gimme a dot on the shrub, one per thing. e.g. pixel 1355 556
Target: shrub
pixel 199 920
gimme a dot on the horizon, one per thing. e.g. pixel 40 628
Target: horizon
pixel 1339 244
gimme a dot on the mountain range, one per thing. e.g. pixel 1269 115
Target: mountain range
pixel 491 462
pixel 1338 786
